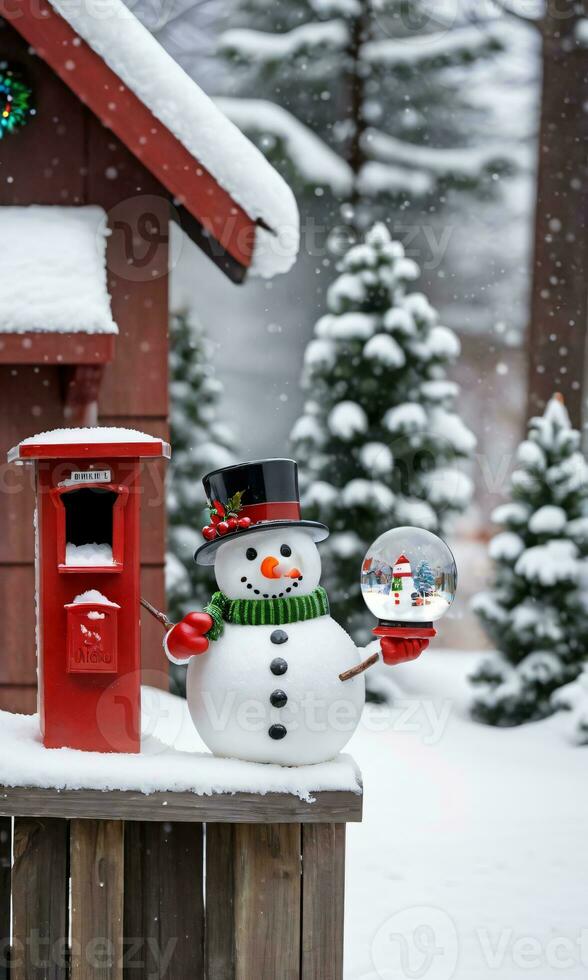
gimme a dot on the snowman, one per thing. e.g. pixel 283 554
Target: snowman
pixel 402 587
pixel 264 658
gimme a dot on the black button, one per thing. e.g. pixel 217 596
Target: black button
pixel 277 731
pixel 279 636
pixel 278 698
pixel 278 666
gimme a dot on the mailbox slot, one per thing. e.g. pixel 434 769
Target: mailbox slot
pixel 92 629
pixel 90 527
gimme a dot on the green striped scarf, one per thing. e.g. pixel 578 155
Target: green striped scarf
pixel 265 612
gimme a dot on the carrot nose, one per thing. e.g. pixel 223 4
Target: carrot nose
pixel 269 567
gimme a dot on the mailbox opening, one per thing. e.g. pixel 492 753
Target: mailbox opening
pixel 89 526
pixel 90 531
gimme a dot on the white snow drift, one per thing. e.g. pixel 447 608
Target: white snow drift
pixel 54 270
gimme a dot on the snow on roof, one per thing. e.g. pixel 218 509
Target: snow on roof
pixel 172 759
pixel 54 271
pixel 314 160
pixel 128 48
pixel 92 442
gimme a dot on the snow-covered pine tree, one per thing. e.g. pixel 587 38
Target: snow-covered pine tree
pixel 379 440
pixel 424 578
pixel 199 443
pixel 536 612
pixel 370 100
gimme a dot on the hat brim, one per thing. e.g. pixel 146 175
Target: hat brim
pixel 205 554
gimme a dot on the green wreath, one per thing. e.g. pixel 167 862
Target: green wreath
pixel 16 100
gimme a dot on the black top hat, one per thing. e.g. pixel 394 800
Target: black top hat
pixel 265 496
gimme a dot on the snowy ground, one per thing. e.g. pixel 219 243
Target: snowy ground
pixel 471 861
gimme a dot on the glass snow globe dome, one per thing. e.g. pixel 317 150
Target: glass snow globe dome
pixel 408 576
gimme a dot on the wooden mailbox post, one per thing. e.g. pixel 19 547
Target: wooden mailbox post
pixel 88 491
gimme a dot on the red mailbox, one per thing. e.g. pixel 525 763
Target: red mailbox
pixel 87 564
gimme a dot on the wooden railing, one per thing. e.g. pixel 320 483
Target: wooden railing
pixel 122 886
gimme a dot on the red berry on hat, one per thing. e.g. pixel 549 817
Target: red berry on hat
pixel 223 527
pixel 244 522
pixel 233 523
pixel 215 519
pixel 209 532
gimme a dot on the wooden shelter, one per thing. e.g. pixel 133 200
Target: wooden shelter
pixel 96 139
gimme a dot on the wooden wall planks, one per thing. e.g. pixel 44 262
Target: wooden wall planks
pixel 45 162
pixel 20 698
pixel 18 659
pixel 137 256
pixel 40 899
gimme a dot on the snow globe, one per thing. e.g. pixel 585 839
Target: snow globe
pixel 408 580
pixel 408 576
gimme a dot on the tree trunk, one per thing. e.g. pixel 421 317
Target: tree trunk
pixel 559 305
pixel 355 96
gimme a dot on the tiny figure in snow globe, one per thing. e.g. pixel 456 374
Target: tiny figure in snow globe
pixel 408 581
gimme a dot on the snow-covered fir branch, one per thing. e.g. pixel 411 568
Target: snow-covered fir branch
pixel 439 49
pixel 466 161
pixel 262 47
pixel 375 179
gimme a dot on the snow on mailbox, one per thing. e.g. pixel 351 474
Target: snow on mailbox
pixel 88 492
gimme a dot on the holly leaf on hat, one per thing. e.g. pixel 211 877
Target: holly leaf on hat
pixel 234 504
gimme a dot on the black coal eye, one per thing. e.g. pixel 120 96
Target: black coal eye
pixel 286 550
pixel 251 554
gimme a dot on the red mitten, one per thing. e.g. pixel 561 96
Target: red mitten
pixel 398 650
pixel 187 638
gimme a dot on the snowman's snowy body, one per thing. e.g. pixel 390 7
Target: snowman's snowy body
pixel 272 693
pixel 231 689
